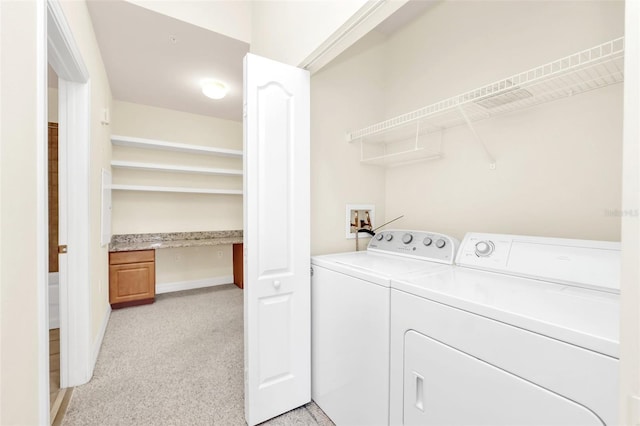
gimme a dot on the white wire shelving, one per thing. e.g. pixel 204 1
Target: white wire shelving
pixel 590 69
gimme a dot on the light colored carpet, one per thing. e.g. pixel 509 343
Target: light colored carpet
pixel 178 361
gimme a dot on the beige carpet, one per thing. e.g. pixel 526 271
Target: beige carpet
pixel 178 361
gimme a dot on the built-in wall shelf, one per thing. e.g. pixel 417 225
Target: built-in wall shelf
pixel 146 188
pixel 130 141
pixel 134 165
pixel 590 69
pixel 173 146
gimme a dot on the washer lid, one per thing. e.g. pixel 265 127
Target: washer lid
pixel 583 317
pixel 375 267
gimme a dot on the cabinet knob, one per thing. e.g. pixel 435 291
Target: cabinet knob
pixel 276 283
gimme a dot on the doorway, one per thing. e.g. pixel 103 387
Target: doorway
pixel 75 360
pixel 56 394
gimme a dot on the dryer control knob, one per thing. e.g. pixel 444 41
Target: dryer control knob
pixel 379 237
pixel 484 248
pixel 441 243
pixel 427 241
pixel 407 238
pixel 389 237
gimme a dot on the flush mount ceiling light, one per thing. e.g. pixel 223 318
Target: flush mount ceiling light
pixel 214 89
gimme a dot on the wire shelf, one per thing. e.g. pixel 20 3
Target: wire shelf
pixel 587 70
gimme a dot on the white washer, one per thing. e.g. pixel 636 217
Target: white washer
pixel 350 298
pixel 524 331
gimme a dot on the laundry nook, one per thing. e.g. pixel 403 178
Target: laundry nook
pixel 324 213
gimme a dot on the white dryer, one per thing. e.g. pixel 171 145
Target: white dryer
pixel 350 298
pixel 524 331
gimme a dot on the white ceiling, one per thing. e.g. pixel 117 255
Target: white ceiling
pixel 153 59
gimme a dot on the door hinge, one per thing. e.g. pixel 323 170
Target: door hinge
pixel 62 249
pixel 311 270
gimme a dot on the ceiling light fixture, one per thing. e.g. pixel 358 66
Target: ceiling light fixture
pixel 214 89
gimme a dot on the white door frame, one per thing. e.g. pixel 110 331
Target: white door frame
pixel 62 53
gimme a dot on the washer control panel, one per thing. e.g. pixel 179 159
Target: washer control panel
pixel 422 245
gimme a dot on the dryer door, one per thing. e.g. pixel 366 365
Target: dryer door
pixel 444 386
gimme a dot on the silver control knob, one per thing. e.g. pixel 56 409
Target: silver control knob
pixel 407 238
pixel 379 237
pixel 441 243
pixel 427 241
pixel 484 248
pixel 389 237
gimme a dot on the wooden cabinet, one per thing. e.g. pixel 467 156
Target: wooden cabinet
pixel 132 278
pixel 238 265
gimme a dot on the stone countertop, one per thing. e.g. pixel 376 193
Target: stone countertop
pixel 130 242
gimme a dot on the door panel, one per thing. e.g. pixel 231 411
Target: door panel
pixel 275 359
pixel 276 239
pixel 275 127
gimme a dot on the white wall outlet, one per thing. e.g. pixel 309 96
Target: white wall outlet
pixel 178 258
pixel 220 254
pixel 359 216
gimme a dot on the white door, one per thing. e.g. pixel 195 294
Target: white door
pixel 277 314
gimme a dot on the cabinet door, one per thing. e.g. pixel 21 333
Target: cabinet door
pixel 238 265
pixel 131 282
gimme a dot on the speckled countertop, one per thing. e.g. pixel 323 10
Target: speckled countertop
pixel 129 242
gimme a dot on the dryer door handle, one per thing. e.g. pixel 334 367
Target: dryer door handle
pixel 419 381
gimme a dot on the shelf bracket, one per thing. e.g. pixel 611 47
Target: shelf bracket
pixel 492 160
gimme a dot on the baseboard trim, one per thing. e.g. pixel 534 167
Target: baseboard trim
pixel 97 343
pixel 193 284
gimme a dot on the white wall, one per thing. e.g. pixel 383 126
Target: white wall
pixel 230 18
pixel 345 94
pixel 18 243
pixel 289 31
pixel 558 165
pixel 18 217
pixel 176 265
pixel 52 107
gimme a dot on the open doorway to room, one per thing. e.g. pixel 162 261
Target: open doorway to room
pixel 56 392
pixel 65 191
